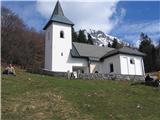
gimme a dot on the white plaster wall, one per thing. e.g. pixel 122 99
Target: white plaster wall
pixel 48 49
pixel 116 64
pixel 54 46
pixel 124 65
pixel 79 62
pixel 61 46
pixel 133 69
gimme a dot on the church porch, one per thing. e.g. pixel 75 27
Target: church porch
pixel 80 69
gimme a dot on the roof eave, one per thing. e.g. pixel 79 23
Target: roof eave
pixel 109 55
pixel 141 54
pixel 79 56
pixel 118 52
pixel 51 21
pixel 46 26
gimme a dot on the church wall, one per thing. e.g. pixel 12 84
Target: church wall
pixel 115 60
pixel 96 67
pixel 104 66
pixel 79 62
pixel 48 48
pixel 135 68
pixel 61 48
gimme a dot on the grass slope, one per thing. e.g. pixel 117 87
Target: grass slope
pixel 37 97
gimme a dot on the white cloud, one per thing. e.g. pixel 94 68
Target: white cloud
pixel 86 15
pixel 146 27
pixel 131 32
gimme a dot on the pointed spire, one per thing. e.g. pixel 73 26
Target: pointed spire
pixel 58 16
pixel 58 9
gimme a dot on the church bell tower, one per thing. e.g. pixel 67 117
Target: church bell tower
pixel 58 41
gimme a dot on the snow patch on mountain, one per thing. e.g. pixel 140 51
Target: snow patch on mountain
pixel 102 39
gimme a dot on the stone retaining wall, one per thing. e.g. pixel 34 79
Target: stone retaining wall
pixel 98 76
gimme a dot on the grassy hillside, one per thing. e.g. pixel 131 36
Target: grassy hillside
pixel 38 97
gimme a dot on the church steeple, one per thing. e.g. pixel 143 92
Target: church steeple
pixel 58 16
pixel 58 10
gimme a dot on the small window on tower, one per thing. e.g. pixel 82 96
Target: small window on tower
pixel 61 34
pixel 132 61
pixel 62 54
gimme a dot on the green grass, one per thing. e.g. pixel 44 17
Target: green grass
pixel 38 97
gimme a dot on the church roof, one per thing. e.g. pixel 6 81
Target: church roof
pixel 124 50
pixel 58 10
pixel 58 16
pixel 94 52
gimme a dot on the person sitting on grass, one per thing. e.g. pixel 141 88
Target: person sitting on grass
pixel 148 78
pixel 9 70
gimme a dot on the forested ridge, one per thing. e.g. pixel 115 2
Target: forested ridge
pixel 20 45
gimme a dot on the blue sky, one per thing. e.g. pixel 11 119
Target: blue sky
pixel 123 19
pixel 140 17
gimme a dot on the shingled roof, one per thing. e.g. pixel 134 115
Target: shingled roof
pixel 124 50
pixel 93 52
pixel 58 16
pixel 96 53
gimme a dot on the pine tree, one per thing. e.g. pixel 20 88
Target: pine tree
pixel 109 44
pixel 115 43
pixel 81 37
pixel 142 36
pixel 74 35
pixel 158 56
pixel 90 40
pixel 147 47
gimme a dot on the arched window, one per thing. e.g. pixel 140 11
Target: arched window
pixel 61 34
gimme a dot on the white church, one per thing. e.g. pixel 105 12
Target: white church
pixel 63 55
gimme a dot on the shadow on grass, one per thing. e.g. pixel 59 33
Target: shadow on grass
pixel 151 84
pixel 137 83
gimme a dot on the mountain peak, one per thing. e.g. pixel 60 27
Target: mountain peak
pixel 102 39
